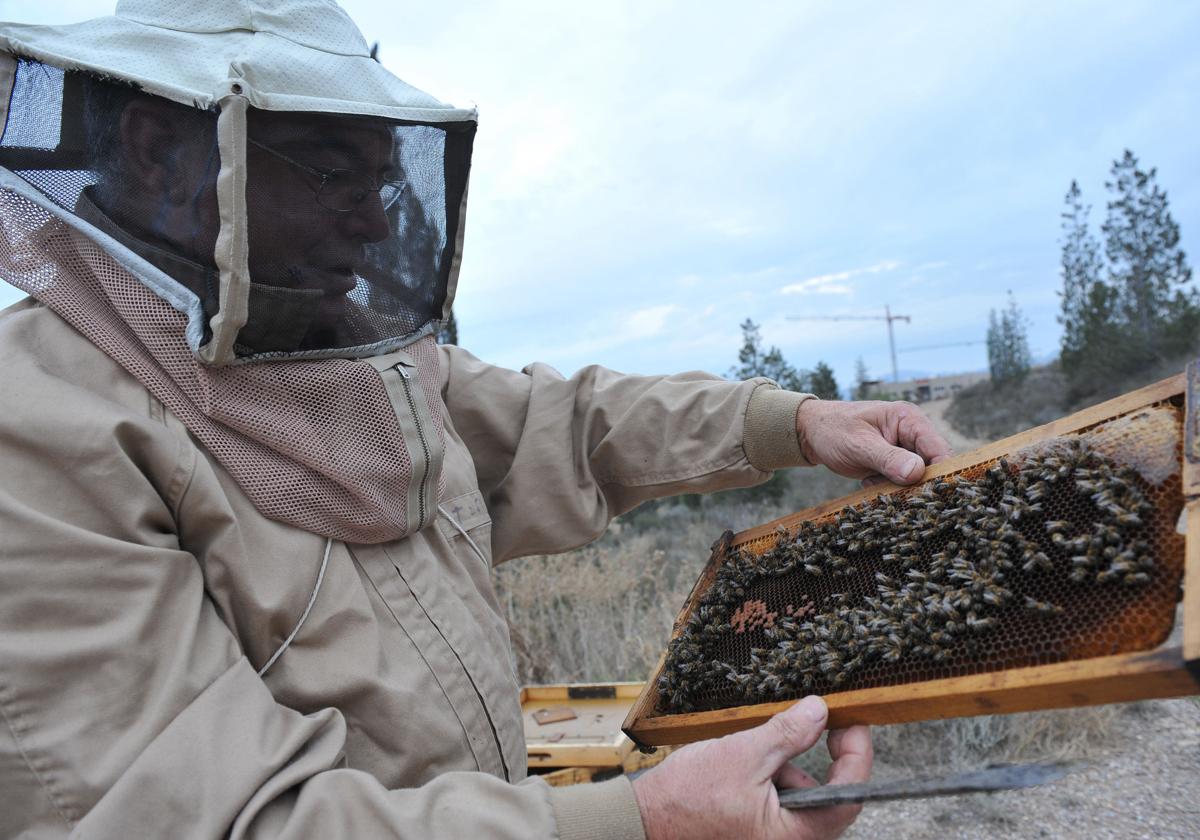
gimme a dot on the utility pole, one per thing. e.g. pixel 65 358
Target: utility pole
pixel 888 316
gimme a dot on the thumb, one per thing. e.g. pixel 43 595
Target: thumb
pixel 786 735
pixel 899 465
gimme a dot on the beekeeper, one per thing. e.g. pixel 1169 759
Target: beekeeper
pixel 249 508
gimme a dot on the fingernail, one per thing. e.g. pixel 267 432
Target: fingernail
pixel 813 708
pixel 912 469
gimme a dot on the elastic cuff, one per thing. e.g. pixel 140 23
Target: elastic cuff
pixel 769 437
pixel 600 811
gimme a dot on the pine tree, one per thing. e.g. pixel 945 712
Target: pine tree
pixel 823 384
pixel 1147 268
pixel 750 356
pixel 754 361
pixel 1007 344
pixel 1021 360
pixel 775 367
pixel 995 348
pixel 1086 308
pixel 861 377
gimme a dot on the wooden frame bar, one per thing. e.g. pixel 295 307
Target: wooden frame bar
pixel 1191 490
pixel 1171 670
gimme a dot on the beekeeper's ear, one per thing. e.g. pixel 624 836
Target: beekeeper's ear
pixel 151 145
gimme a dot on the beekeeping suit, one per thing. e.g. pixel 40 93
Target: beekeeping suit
pixel 248 507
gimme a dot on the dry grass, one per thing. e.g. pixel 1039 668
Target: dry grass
pixel 605 613
pixel 597 614
pixel 1058 735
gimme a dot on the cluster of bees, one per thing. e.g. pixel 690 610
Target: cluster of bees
pixel 917 576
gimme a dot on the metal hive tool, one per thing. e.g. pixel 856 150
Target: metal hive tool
pixel 1040 571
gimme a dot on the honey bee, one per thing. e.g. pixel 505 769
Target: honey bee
pixel 1042 607
pixel 1036 560
pixel 978 624
pixel 996 595
pixel 1036 492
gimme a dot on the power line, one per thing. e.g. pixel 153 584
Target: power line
pixel 940 346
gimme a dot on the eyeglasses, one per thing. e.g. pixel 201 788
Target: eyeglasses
pixel 342 190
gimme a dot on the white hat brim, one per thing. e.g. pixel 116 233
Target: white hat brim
pixel 200 68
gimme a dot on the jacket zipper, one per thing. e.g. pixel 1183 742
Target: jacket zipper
pixel 421 469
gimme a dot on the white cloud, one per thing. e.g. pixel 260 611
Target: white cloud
pixel 602 334
pixel 835 283
pixel 651 321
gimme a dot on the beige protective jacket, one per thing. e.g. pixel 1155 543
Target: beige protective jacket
pixel 140 592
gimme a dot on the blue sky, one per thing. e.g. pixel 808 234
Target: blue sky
pixel 648 174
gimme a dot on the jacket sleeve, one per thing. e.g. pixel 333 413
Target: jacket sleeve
pixel 558 458
pixel 126 706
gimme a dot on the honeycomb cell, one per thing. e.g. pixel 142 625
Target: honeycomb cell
pixel 1063 551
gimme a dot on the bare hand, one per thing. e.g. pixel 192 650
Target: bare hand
pixel 870 439
pixel 727 787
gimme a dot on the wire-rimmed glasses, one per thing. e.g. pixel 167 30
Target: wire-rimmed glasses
pixel 342 190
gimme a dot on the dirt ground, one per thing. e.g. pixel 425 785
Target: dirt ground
pixel 1144 784
pixel 936 409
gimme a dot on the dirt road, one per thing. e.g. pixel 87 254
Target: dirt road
pixel 936 410
pixel 1145 784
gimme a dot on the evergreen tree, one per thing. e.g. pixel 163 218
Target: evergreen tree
pixel 1147 268
pixel 823 384
pixel 754 361
pixel 1144 310
pixel 1007 344
pixel 1086 299
pixel 995 347
pixel 861 377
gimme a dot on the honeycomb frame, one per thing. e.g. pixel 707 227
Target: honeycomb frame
pixel 1097 673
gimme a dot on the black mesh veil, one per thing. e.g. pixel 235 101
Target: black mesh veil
pixel 352 223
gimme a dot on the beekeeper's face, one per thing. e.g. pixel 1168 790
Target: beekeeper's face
pixel 316 189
